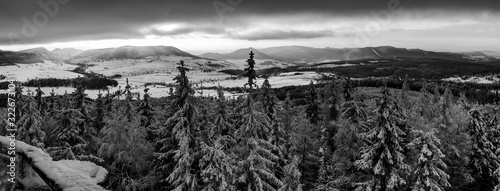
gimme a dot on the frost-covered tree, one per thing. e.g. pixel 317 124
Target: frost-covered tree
pixel 125 149
pixel 484 160
pixel 291 181
pixel 255 169
pixel 30 124
pixel 217 164
pixel 183 126
pixel 429 172
pixel 313 109
pixel 383 156
pixel 40 100
pixel 100 113
pixel 222 125
pixel 146 110
pixel 68 135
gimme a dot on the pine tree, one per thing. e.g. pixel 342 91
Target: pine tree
pixel 30 124
pixel 183 126
pixel 146 110
pixel 404 97
pixel 68 136
pixel 383 156
pixel 254 170
pixel 429 170
pixel 291 181
pixel 312 111
pixel 125 148
pixel 40 100
pixel 217 170
pixel 484 159
pixel 100 113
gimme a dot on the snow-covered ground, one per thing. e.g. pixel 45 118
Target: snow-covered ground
pixel 489 79
pixel 24 72
pixel 137 84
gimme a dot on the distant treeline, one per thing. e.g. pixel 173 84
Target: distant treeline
pixel 93 83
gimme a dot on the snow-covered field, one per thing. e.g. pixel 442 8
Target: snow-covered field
pixel 140 71
pixel 137 84
pixel 24 72
pixel 490 79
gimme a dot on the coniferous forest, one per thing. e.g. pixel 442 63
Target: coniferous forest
pixel 337 136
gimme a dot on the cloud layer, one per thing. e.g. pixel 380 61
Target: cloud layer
pixel 244 20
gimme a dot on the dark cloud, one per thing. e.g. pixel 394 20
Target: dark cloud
pixel 280 35
pixel 123 19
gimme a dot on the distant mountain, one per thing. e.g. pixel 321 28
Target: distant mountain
pixel 66 52
pixel 309 54
pixel 10 58
pixel 132 52
pixel 491 53
pixel 238 54
pixel 43 54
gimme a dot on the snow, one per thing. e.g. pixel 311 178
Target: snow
pixel 67 175
pixel 24 72
pixel 489 79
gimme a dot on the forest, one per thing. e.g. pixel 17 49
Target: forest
pixel 334 136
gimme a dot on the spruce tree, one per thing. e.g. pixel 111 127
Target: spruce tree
pixel 291 181
pixel 312 110
pixel 384 155
pixel 217 170
pixel 30 124
pixel 484 160
pixel 255 169
pixel 125 148
pixel 40 100
pixel 183 126
pixel 430 169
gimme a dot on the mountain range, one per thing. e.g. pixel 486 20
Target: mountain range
pixel 291 54
pixel 314 55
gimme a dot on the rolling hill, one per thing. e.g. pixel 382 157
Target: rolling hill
pixel 132 52
pixel 315 55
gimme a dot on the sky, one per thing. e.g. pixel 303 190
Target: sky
pixel 199 26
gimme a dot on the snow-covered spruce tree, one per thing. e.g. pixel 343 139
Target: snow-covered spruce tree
pixel 146 111
pixel 29 126
pixel 125 149
pixel 217 170
pixel 313 109
pixel 484 160
pixel 73 131
pixel 429 171
pixel 291 181
pixel 52 101
pixel 100 113
pixel 305 143
pixel 287 118
pixel 81 103
pixel 68 135
pixel 19 101
pixel 147 115
pixel 40 100
pixel 424 105
pixel 222 125
pixel 270 101
pixel 383 155
pixel 254 170
pixel 445 105
pixel 404 98
pixel 183 126
pixel 277 136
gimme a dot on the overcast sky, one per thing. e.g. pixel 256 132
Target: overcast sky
pixel 223 25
